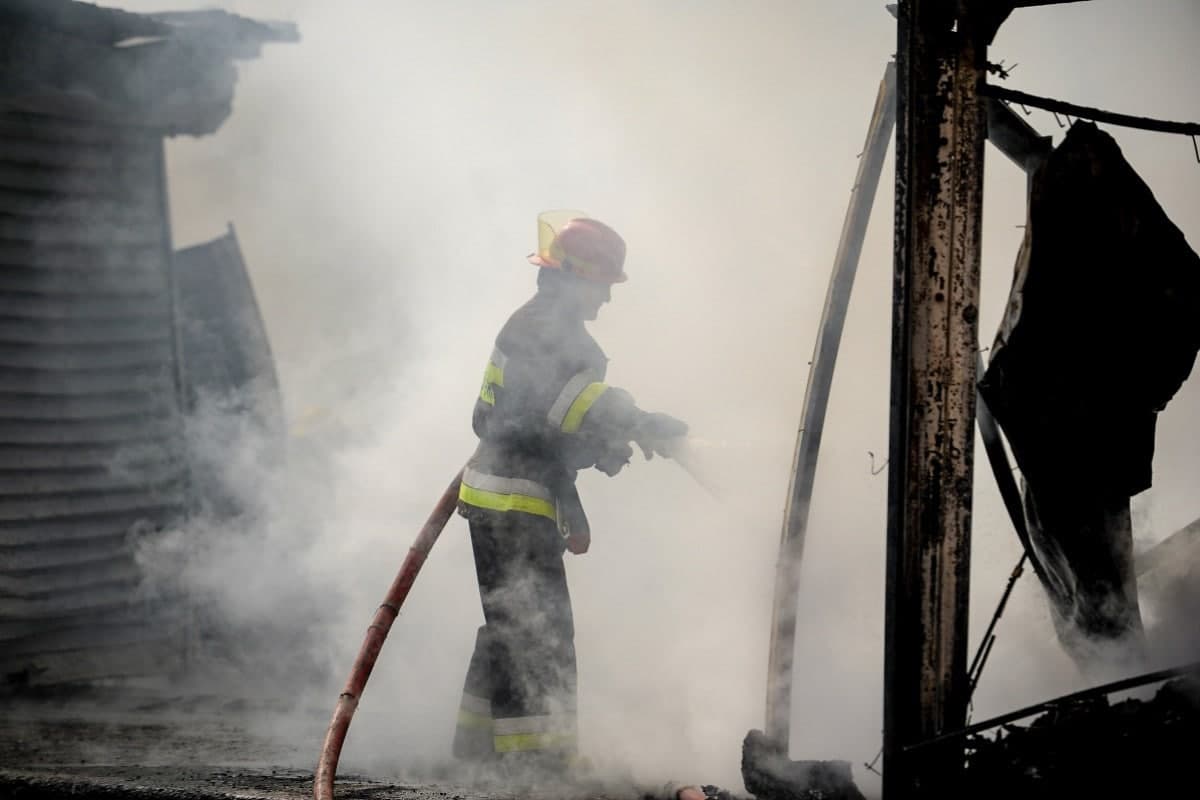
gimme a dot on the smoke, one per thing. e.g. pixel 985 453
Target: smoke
pixel 385 174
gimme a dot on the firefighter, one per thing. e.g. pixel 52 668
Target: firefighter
pixel 543 413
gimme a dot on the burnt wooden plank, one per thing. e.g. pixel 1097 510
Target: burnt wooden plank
pixel 31 407
pixel 120 431
pixel 56 130
pixel 25 457
pixel 148 500
pixel 84 356
pixel 143 284
pixel 81 232
pixel 41 307
pixel 92 664
pixel 19 483
pixel 29 256
pixel 38 532
pixel 66 331
pixel 63 555
pixel 76 579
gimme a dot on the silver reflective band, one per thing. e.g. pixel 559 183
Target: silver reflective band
pixel 499 359
pixel 575 386
pixel 476 705
pixel 499 485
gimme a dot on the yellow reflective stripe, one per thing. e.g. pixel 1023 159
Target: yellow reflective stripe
pixel 580 407
pixel 495 501
pixel 472 719
pixel 569 394
pixel 493 375
pixel 501 485
pixel 517 742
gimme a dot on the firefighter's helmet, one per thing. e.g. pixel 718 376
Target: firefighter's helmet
pixel 574 242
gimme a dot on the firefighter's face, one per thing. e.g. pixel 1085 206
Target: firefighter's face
pixel 591 295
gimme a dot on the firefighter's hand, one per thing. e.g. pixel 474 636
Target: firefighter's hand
pixel 614 458
pixel 657 431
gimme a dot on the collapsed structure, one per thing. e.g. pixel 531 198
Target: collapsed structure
pixel 106 334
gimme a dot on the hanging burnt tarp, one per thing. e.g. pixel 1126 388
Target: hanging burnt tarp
pixel 1102 329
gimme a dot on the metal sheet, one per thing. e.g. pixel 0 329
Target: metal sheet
pixel 90 415
pixel 224 340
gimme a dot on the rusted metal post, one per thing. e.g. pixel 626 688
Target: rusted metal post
pixel 940 137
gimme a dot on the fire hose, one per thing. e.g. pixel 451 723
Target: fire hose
pixel 373 643
pixel 377 631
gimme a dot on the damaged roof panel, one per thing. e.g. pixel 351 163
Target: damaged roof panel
pixel 173 72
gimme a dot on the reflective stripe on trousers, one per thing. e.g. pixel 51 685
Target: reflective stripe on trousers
pixel 541 732
pixel 475 712
pixel 524 655
pixel 496 493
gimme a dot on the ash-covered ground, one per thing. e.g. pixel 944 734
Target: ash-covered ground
pixel 121 742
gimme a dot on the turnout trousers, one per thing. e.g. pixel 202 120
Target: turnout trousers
pixel 518 699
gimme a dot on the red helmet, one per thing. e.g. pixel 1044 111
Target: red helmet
pixel 582 246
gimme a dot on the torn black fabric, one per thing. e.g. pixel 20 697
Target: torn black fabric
pixel 1101 330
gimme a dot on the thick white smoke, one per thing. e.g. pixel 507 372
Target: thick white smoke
pixel 385 174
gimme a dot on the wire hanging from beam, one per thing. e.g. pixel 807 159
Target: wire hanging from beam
pixel 1085 112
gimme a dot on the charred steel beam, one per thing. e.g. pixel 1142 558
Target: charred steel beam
pixel 1014 137
pixel 941 131
pixel 1027 3
pixel 1008 6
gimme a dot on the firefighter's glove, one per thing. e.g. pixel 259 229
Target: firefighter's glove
pixel 614 458
pixel 578 542
pixel 657 432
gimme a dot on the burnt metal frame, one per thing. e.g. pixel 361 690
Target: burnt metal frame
pixel 1025 147
pixel 962 104
pixel 1021 143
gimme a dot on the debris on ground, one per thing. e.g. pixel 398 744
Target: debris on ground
pixel 770 775
pixel 1092 748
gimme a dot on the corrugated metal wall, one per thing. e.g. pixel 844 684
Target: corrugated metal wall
pixel 90 447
